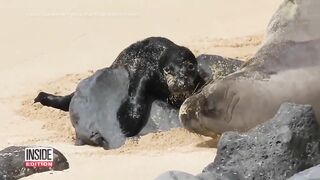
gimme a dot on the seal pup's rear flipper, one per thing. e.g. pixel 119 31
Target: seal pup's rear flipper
pixel 50 100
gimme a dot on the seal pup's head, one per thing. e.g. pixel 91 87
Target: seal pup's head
pixel 179 69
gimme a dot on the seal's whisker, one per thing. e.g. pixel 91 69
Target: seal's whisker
pixel 195 89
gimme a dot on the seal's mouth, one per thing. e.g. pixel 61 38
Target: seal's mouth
pixel 179 93
pixel 177 98
pixel 190 118
pixel 179 85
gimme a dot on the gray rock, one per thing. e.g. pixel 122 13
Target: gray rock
pixel 93 112
pixel 213 67
pixel 277 149
pixel 309 174
pixel 163 117
pixel 12 163
pixel 177 175
pixel 296 20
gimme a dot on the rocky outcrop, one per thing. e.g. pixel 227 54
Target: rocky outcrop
pixel 12 163
pixel 276 149
pixel 177 175
pixel 309 174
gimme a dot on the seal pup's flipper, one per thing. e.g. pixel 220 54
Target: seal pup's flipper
pixel 50 100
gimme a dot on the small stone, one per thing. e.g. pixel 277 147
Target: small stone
pixel 12 163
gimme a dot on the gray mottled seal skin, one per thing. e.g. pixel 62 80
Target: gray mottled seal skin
pixel 283 70
pixel 12 163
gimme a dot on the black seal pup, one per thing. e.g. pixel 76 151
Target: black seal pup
pixel 115 102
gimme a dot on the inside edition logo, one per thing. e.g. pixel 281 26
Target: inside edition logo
pixel 38 157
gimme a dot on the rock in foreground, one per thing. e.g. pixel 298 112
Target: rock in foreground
pixel 177 175
pixel 276 149
pixel 309 174
pixel 12 163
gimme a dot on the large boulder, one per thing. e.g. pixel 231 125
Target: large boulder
pixel 309 174
pixel 276 149
pixel 178 175
pixel 12 163
pixel 93 111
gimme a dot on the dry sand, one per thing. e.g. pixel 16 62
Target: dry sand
pixel 52 45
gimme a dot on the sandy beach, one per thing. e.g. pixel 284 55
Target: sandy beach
pixel 52 45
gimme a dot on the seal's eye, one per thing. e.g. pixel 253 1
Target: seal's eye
pixel 190 67
pixel 167 69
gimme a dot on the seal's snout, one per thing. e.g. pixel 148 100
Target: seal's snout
pixel 188 115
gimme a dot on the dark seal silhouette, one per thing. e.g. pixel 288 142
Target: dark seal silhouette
pixel 12 163
pixel 115 102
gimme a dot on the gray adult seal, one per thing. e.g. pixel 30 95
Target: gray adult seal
pixel 285 69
